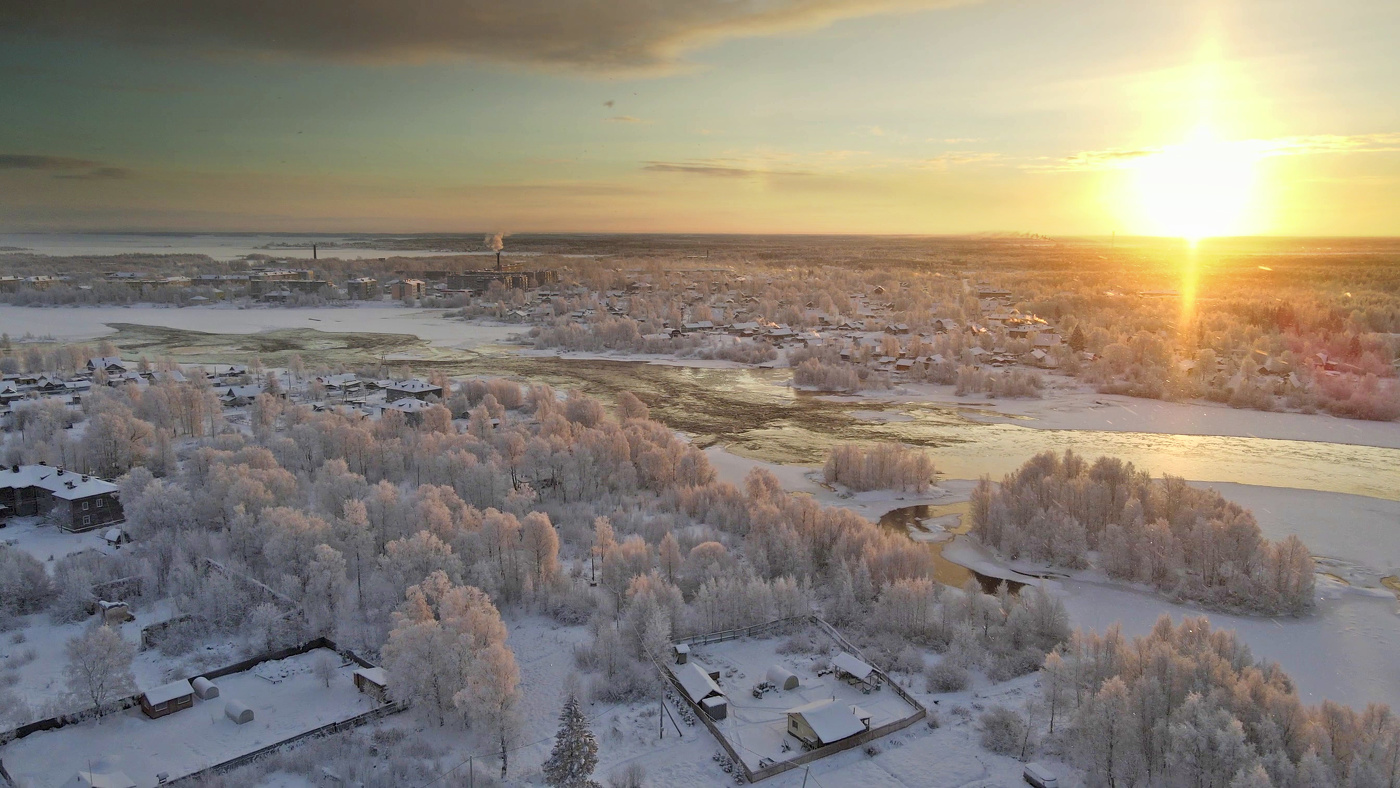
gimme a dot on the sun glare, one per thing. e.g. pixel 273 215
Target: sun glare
pixel 1198 189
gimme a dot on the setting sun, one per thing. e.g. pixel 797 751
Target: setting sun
pixel 1203 187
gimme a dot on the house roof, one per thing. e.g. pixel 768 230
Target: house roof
pixel 413 386
pixel 66 485
pixel 831 721
pixel 409 405
pixel 696 682
pixel 852 665
pixel 374 675
pixel 168 692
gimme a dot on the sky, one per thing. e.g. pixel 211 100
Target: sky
pixel 1063 117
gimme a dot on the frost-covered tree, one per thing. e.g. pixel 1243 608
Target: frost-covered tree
pixel 575 754
pixel 491 699
pixel 1184 540
pixel 99 667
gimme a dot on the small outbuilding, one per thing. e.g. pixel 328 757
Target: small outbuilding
pixel 167 699
pixel 716 706
pixel 782 678
pixel 855 671
pixel 205 689
pixel 238 712
pixel 373 682
pixel 824 722
pixel 114 612
pixel 682 653
pixel 697 682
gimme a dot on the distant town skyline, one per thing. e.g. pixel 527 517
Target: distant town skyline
pixel 712 116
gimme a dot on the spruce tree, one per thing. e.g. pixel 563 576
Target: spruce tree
pixel 575 754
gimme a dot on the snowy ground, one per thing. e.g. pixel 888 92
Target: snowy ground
pixel 916 757
pixel 190 740
pixel 47 542
pixel 1344 651
pixel 83 323
pixel 757 727
pixel 34 653
pixel 1073 406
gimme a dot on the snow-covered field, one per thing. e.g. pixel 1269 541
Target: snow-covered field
pixel 86 323
pixel 190 740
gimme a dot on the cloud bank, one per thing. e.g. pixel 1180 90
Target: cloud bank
pixel 63 167
pixel 591 35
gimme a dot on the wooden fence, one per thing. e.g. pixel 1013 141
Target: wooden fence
pixel 53 723
pixel 773 627
pixel 325 730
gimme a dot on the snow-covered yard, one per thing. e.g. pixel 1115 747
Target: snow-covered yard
pixel 44 540
pixel 190 740
pixel 757 727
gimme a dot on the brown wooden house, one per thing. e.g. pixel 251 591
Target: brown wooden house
pixel 167 699
pixel 77 501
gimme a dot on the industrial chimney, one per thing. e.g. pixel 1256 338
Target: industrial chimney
pixel 498 259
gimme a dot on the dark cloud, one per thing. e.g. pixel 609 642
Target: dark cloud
pixel 713 170
pixel 28 161
pixel 99 174
pixel 617 35
pixel 63 167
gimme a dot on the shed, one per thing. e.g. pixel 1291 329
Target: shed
pixel 682 653
pixel 167 699
pixel 1038 775
pixel 823 722
pixel 205 689
pixel 716 706
pixel 100 780
pixel 698 684
pixel 854 671
pixel 782 678
pixel 373 682
pixel 238 712
pixel 115 612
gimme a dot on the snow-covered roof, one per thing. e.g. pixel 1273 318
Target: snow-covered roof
pixel 100 780
pixel 247 391
pixel 168 692
pixel 409 405
pixel 696 682
pixel 66 485
pixel 853 666
pixel 831 721
pixel 374 675
pixel 414 386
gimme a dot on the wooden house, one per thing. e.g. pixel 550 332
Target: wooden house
pixel 167 699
